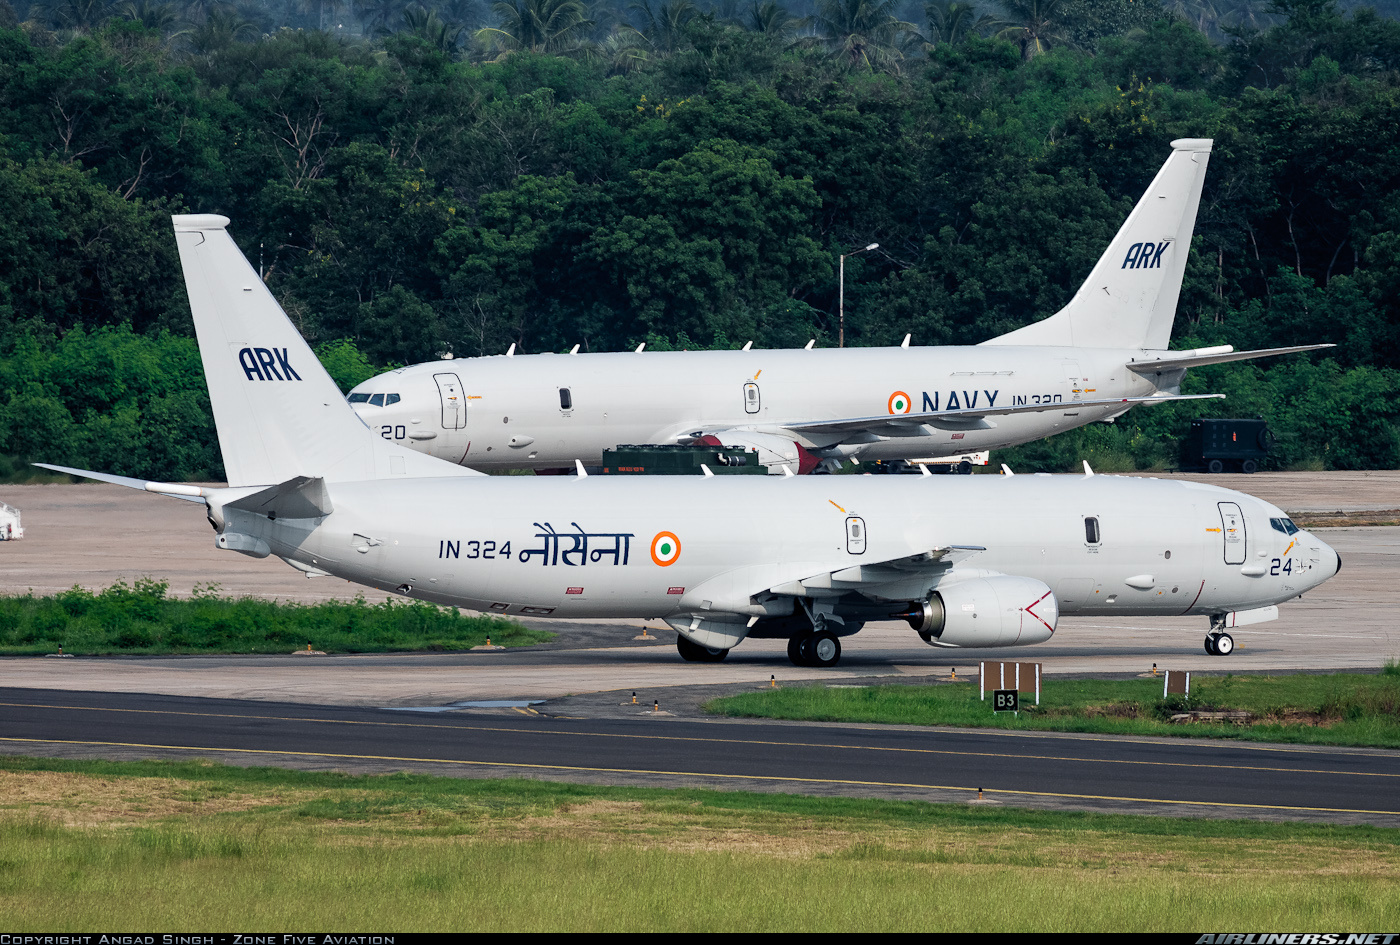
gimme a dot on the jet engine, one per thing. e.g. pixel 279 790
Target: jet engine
pixel 773 451
pixel 1002 610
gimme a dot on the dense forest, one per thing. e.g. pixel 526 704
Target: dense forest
pixel 425 178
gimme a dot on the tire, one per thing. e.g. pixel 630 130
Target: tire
pixel 1249 467
pixel 1210 645
pixel 1215 466
pixel 695 653
pixel 795 651
pixel 824 650
pixel 1224 645
pixel 964 468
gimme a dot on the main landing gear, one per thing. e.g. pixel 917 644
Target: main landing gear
pixel 815 649
pixel 817 646
pixel 695 653
pixel 1220 644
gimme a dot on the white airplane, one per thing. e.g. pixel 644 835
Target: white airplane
pixel 968 562
pixel 1092 361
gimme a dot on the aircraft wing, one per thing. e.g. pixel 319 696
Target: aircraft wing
pixel 894 579
pixel 972 418
pixel 1155 361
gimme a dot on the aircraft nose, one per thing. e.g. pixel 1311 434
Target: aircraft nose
pixel 1326 550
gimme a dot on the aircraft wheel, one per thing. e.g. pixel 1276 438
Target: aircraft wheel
pixel 1215 466
pixel 824 650
pixel 795 651
pixel 1224 644
pixel 1210 645
pixel 695 653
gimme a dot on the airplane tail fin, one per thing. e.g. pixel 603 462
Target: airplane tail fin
pixel 278 413
pixel 1129 299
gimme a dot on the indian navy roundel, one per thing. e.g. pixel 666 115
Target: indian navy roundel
pixel 665 548
pixel 900 402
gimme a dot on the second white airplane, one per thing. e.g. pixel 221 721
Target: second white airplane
pixel 1092 361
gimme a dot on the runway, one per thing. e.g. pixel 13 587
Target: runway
pixel 1040 770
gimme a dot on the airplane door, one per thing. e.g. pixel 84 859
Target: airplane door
pixel 752 398
pixel 855 535
pixel 1232 527
pixel 454 405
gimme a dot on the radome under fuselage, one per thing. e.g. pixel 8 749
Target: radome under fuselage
pixel 513 418
pixel 484 543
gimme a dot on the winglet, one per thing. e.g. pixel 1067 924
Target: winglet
pixel 706 470
pixel 1006 470
pixel 923 470
pixel 578 465
pixel 1087 471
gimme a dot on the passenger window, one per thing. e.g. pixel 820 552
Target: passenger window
pixel 1091 530
pixel 391 399
pixel 377 400
pixel 566 399
pixel 358 398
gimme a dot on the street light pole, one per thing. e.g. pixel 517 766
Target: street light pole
pixel 841 293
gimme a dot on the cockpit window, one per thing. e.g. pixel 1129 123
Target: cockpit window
pixel 391 399
pixel 377 400
pixel 358 398
pixel 1284 525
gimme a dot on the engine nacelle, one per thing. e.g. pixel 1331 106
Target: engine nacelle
pixel 774 451
pixel 1003 610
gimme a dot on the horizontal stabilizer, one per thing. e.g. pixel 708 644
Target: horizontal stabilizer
pixel 1155 361
pixel 908 424
pixel 300 497
pixel 178 490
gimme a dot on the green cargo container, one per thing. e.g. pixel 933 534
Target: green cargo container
pixel 681 461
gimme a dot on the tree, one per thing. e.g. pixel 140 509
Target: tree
pixel 863 32
pixel 665 25
pixel 951 22
pixel 1035 25
pixel 540 26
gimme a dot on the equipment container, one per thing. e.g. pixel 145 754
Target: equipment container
pixel 667 460
pixel 1217 446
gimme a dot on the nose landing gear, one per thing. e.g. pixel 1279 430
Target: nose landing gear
pixel 1220 644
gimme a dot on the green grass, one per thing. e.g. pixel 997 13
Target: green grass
pixel 1341 709
pixel 148 846
pixel 141 619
